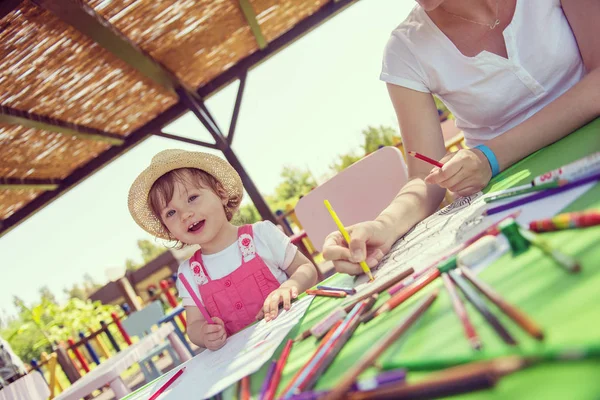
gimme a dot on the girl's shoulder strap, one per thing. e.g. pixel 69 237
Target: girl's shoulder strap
pixel 246 242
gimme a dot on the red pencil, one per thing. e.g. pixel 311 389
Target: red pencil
pixel 167 384
pixel 426 159
pixel 278 370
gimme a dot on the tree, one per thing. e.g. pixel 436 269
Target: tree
pixel 90 284
pixel 297 182
pixel 247 214
pixel 46 294
pixel 76 292
pixel 149 252
pixel 373 138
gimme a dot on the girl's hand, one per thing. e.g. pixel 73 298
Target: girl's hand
pixel 465 172
pixel 369 241
pixel 281 295
pixel 214 334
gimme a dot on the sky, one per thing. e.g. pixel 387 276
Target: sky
pixel 302 108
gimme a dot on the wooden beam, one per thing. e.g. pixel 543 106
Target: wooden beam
pixel 28 183
pixel 250 16
pixel 12 116
pixel 236 107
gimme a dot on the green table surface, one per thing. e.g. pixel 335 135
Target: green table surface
pixel 567 306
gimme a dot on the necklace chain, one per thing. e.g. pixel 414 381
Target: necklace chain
pixel 493 25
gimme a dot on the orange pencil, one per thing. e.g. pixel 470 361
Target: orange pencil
pixel 245 388
pixel 426 159
pixel 514 313
pixel 326 293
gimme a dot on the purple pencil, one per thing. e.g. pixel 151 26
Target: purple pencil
pixel 542 195
pixel 265 386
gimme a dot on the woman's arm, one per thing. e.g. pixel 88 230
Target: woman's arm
pixel 421 132
pixel 574 108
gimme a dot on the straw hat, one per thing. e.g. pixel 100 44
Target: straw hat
pixel 169 160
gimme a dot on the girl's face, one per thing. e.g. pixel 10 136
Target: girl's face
pixel 429 5
pixel 194 215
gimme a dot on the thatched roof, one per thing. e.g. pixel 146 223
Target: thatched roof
pixel 83 81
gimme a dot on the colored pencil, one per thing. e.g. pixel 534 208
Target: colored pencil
pixel 346 236
pixel 461 312
pixel 542 195
pixel 320 354
pixel 332 352
pixel 326 293
pixel 456 380
pixel 404 295
pixel 245 388
pixel 581 219
pixel 381 380
pixel 401 285
pixel 513 312
pixel 376 288
pixel 567 262
pixel 323 343
pixel 167 384
pixel 480 306
pixel 342 387
pixel 547 354
pixel 272 391
pixel 266 383
pixel 324 325
pixel 426 159
pixel 519 192
pixel 337 289
pixel 197 301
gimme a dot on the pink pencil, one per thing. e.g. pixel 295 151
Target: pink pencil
pixel 196 299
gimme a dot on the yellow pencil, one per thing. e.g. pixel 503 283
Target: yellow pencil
pixel 344 233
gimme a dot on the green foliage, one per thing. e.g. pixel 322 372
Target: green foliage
pixel 296 182
pixel 36 328
pixel 373 138
pixel 149 252
pixel 247 214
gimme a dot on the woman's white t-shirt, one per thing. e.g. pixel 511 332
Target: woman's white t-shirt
pixel 488 94
pixel 272 245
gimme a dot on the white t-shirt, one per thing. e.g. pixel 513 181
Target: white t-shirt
pixel 272 245
pixel 488 94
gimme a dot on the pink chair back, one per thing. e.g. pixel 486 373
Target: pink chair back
pixel 358 193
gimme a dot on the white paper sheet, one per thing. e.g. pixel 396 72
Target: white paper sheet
pixel 210 372
pixel 443 231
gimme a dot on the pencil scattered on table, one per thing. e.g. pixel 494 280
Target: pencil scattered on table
pixel 342 387
pixel 572 220
pixel 569 263
pixel 461 312
pixel 511 311
pixel 346 236
pixel 543 194
pixel 482 308
pixel 167 384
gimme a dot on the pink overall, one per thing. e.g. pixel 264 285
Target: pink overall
pixel 238 297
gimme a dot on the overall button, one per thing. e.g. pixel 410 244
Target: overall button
pixel 238 305
pixel 227 283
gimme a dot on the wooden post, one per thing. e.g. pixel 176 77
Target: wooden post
pixel 131 296
pixel 67 366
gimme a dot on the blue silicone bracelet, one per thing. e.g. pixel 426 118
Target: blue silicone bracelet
pixel 491 157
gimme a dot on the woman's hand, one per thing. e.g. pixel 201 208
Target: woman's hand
pixel 465 172
pixel 214 334
pixel 285 295
pixel 369 241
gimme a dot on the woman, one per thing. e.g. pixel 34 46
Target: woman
pixel 518 75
